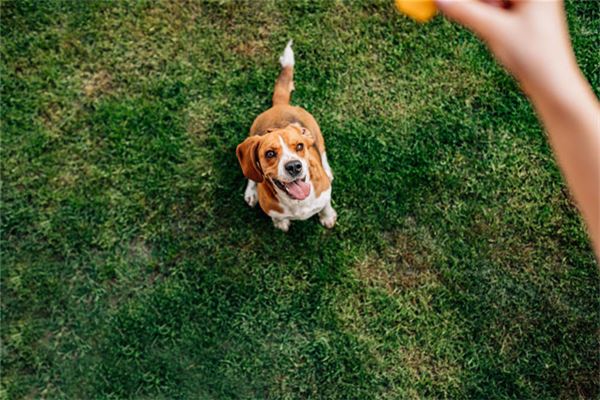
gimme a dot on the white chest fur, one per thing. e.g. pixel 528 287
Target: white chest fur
pixel 301 209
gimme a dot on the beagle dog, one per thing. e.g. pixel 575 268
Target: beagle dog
pixel 284 159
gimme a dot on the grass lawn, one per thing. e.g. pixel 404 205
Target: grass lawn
pixel 132 268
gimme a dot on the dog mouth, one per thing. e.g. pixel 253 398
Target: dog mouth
pixel 297 190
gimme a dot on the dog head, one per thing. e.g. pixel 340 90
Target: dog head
pixel 280 156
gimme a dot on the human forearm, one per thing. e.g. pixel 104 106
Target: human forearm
pixel 570 114
pixel 530 38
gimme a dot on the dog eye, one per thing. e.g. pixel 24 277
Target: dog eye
pixel 270 154
pixel 299 147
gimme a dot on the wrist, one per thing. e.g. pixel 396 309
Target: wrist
pixel 561 81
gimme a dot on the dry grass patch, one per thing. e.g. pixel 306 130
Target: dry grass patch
pixel 97 84
pixel 407 261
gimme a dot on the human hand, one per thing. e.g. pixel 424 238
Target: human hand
pixel 529 37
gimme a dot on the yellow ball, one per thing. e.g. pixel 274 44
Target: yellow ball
pixel 420 10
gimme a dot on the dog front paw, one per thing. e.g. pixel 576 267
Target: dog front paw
pixel 251 199
pixel 251 195
pixel 328 218
pixel 283 224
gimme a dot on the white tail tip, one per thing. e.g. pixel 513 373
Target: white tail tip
pixel 287 58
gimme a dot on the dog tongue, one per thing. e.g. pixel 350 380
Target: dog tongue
pixel 298 190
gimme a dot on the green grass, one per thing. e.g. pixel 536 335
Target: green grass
pixel 132 268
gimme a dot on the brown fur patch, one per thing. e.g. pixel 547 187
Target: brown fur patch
pixel 318 177
pixel 267 198
pixel 281 116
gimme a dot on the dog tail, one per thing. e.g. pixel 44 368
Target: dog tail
pixel 285 83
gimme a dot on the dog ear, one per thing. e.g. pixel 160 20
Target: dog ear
pixel 247 154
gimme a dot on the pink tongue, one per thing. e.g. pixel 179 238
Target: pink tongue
pixel 298 190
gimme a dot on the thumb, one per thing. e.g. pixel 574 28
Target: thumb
pixel 486 20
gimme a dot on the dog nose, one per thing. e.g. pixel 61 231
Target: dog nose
pixel 293 167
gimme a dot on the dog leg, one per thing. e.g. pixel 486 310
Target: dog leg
pixel 251 195
pixel 328 216
pixel 326 166
pixel 283 224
